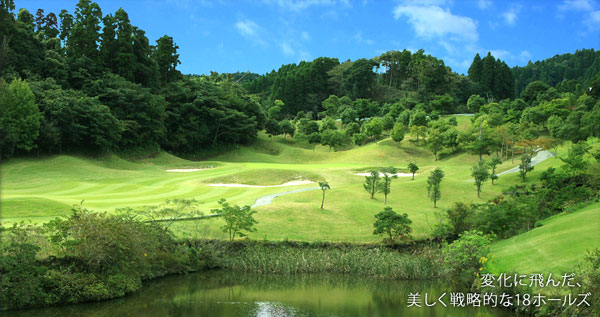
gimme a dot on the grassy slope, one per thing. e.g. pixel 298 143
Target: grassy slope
pixel 557 246
pixel 43 189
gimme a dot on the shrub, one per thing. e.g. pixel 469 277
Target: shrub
pixel 465 257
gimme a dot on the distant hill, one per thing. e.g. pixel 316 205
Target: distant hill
pixel 565 71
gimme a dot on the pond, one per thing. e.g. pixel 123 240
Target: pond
pixel 223 293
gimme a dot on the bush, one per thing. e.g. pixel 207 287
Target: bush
pixel 465 257
pixel 100 257
pixel 21 283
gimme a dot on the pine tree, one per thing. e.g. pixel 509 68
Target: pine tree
pixel 476 69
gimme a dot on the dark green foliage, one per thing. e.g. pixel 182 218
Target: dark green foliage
pixel 288 128
pixel 494 77
pixel 385 185
pixel 19 117
pixel 476 69
pixel 96 256
pixel 398 132
pixel 328 123
pixel 493 165
pixel 324 187
pixel 359 138
pixel 301 87
pixel 435 141
pixel 237 219
pixel 465 256
pixel 202 113
pixel 533 90
pixel 413 168
pixel 307 126
pixel 433 185
pixel 272 127
pixel 21 276
pixel 480 173
pixel 359 79
pixel 373 128
pixel 392 224
pixel 141 112
pixel 459 217
pixel 589 272
pixel 333 138
pixel 474 103
pixel 72 120
pixel 581 67
pixel 525 166
pixel 575 162
pixel 167 59
pixel 371 183
pixel 84 37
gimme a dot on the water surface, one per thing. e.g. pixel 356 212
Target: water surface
pixel 222 293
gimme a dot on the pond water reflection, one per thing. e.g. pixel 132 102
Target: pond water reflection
pixel 223 293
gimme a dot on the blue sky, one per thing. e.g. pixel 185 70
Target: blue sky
pixel 261 35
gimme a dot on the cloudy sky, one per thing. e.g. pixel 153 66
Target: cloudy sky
pixel 261 35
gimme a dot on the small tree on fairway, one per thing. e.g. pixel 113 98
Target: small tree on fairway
pixel 433 185
pixel 413 168
pixel 392 224
pixel 525 165
pixel 236 219
pixel 493 164
pixel 371 181
pixel 480 174
pixel 385 186
pixel 324 186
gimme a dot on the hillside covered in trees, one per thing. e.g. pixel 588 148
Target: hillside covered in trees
pixel 91 81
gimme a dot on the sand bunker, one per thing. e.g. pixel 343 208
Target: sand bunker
pixel 186 170
pixel 292 183
pixel 381 174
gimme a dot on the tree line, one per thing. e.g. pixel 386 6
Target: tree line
pixel 92 82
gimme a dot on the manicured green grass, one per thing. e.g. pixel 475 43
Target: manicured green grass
pixel 41 189
pixel 557 246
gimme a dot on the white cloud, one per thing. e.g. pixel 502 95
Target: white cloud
pixel 593 20
pixel 298 5
pixel 525 56
pixel 510 16
pixel 360 40
pixel 305 36
pixel 250 30
pixel 589 9
pixel 501 54
pixel 246 27
pixel 575 5
pixel 286 49
pixel 432 21
pixel 484 4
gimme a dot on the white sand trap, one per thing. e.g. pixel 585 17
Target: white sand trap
pixel 292 183
pixel 381 174
pixel 186 170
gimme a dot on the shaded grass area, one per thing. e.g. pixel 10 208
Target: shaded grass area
pixel 557 246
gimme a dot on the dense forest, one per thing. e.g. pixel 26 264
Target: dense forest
pixel 88 81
